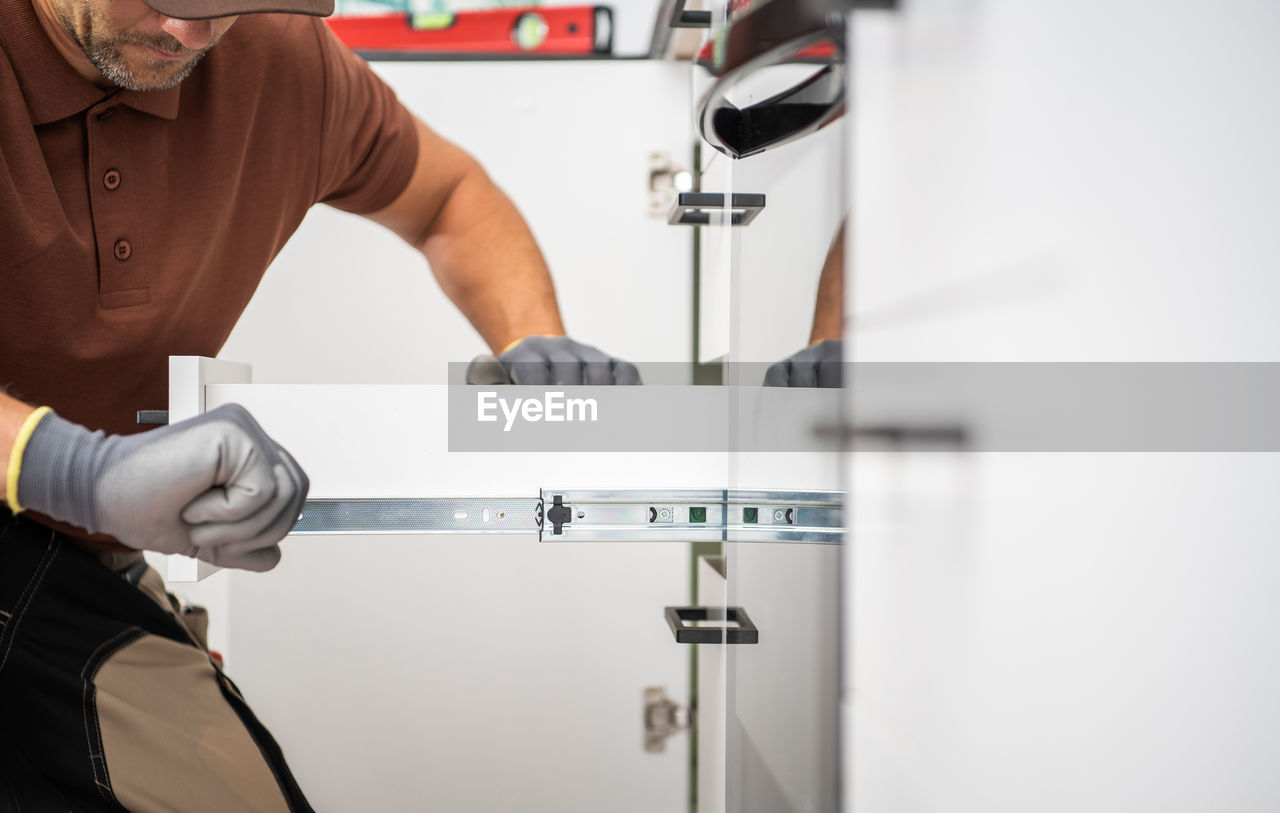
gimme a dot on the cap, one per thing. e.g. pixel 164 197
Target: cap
pixel 206 9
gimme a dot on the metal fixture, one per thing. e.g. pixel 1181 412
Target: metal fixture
pixel 441 515
pixel 693 515
pixel 666 180
pixel 565 515
pixel 662 718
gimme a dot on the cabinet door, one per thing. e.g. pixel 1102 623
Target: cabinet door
pixel 1048 628
pixel 768 736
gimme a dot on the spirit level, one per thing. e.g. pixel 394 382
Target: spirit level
pixel 531 30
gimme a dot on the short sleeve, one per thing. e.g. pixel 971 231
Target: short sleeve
pixel 369 145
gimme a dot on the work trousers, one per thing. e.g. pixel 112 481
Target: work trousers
pixel 108 697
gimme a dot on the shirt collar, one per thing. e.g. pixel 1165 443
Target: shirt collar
pixel 162 103
pixel 51 87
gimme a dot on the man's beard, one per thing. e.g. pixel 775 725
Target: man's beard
pixel 106 54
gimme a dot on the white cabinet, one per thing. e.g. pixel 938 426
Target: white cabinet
pixel 1083 630
pixel 468 674
pixel 495 673
pixel 473 672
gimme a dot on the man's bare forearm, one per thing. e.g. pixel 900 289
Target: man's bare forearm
pixel 478 245
pixel 828 311
pixel 487 262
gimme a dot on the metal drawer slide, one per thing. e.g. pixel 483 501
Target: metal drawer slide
pixel 568 515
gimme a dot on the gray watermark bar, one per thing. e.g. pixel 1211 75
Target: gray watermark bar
pixel 637 419
pixel 1078 407
pixel 1011 407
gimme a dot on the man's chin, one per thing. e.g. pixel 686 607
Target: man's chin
pixel 164 80
pixel 134 68
pixel 146 76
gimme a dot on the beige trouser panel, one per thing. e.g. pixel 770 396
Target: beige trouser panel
pixel 171 740
pixel 196 621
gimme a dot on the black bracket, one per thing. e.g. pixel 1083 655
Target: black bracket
pixel 744 633
pixel 559 515
pixel 680 18
pixel 153 417
pixel 697 208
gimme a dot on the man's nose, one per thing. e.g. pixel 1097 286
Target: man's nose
pixel 193 34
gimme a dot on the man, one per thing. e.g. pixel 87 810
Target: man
pixel 147 179
pixel 821 364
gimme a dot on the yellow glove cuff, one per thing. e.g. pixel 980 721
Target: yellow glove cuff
pixel 522 338
pixel 15 456
pixel 513 344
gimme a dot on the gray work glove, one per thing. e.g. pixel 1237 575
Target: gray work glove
pixel 541 360
pixel 214 487
pixel 819 365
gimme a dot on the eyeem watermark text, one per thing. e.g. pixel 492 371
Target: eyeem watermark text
pixel 553 407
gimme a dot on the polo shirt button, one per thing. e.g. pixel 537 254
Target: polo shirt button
pixel 106 114
pixel 111 180
pixel 123 250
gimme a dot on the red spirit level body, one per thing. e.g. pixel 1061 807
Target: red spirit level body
pixel 533 30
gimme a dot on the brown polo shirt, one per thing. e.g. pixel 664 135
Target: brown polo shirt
pixel 135 226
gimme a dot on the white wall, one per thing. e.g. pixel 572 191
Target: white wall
pixel 347 302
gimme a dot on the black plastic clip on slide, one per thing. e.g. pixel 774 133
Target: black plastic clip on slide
pixel 559 515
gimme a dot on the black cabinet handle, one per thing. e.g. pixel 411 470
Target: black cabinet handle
pixel 787 116
pixel 744 633
pixel 766 35
pixel 697 208
pixel 928 435
pixel 923 435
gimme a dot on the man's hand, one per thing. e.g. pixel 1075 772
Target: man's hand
pixel 214 487
pixel 816 366
pixel 539 360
